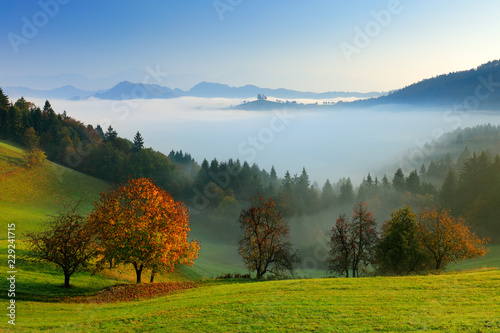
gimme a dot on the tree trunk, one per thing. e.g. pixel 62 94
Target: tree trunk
pixel 152 279
pixel 438 264
pixel 138 272
pixel 67 275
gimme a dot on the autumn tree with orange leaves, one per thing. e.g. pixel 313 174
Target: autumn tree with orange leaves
pixel 446 238
pixel 265 246
pixel 139 223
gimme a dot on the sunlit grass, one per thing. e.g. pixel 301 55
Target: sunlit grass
pixel 447 303
pixel 29 195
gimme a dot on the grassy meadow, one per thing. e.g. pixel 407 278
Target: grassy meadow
pixel 448 303
pixel 29 195
pixel 464 299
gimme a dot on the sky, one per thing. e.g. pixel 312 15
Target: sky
pixel 318 45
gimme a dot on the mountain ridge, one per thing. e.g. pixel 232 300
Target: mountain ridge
pixel 125 90
pixel 470 89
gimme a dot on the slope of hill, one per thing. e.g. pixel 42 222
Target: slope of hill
pixel 477 88
pixel 28 195
pixel 443 303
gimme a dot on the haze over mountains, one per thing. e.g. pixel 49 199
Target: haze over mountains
pixel 467 89
pixel 127 90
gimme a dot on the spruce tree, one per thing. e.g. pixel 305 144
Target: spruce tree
pixel 399 181
pixel 138 142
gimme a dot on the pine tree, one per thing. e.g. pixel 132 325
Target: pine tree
pixel 422 171
pixel 47 109
pixel 413 182
pixel 464 156
pixel 347 192
pixel 327 195
pixel 385 182
pixel 4 101
pixel 273 176
pixel 138 142
pixel 110 135
pixel 4 108
pixel 100 132
pixel 399 181
pixel 448 192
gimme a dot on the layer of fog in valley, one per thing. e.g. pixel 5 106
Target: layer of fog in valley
pixel 329 144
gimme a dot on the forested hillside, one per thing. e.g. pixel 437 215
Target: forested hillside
pixel 465 90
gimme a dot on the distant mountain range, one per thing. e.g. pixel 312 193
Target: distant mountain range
pixel 127 90
pixel 65 92
pixel 208 89
pixel 471 89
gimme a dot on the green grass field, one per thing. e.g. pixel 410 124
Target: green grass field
pixel 447 303
pixel 28 196
pixel 464 299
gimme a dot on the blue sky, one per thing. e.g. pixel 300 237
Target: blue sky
pixel 270 43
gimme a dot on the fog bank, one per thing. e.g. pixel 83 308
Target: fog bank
pixel 329 144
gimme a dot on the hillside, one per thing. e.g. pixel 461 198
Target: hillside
pixel 29 195
pixel 444 303
pixel 472 89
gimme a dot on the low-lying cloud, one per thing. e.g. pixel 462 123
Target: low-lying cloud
pixel 329 144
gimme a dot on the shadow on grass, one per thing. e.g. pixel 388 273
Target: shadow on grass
pixel 11 160
pixel 48 292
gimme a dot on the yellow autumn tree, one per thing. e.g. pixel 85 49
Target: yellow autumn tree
pixel 139 223
pixel 446 238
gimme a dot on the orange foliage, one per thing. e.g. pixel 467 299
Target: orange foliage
pixel 141 224
pixel 448 239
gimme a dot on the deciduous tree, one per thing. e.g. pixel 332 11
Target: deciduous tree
pixel 341 244
pixel 398 251
pixel 266 246
pixel 67 243
pixel 140 224
pixel 352 242
pixel 34 155
pixel 446 238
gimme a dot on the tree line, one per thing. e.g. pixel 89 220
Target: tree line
pixel 410 243
pixel 222 188
pixel 140 224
